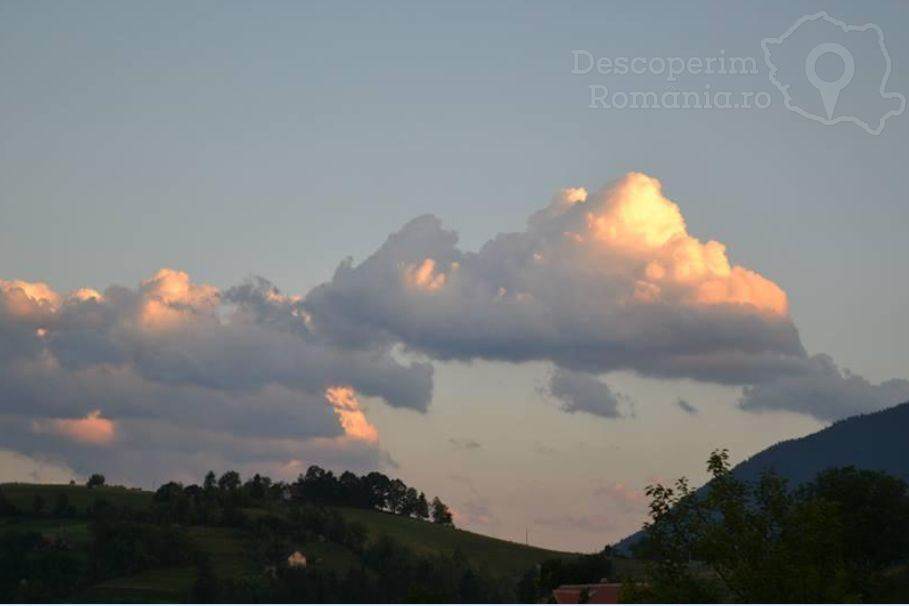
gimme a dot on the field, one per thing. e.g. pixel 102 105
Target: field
pixel 80 497
pixel 498 556
pixel 74 531
pixel 226 549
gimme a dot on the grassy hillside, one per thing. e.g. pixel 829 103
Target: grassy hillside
pixel 227 548
pixel 502 557
pixel 80 497
pixel 423 537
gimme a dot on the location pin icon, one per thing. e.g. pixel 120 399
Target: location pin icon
pixel 830 91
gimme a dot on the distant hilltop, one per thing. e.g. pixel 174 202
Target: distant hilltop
pixel 877 441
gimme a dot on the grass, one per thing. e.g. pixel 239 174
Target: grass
pixel 496 555
pixel 329 555
pixel 157 585
pixel 73 530
pixel 80 497
pixel 226 549
pixel 173 584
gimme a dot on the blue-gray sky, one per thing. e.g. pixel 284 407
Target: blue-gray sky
pixel 275 139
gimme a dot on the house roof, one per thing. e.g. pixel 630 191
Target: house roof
pixel 597 593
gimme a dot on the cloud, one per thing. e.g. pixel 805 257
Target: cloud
pixel 581 392
pixel 598 523
pixel 474 512
pixel 177 375
pixel 627 498
pixel 543 449
pixel 194 375
pixel 173 331
pixel 824 391
pixel 464 444
pixel 15 467
pixel 686 406
pixel 91 429
pixel 595 283
pixel 353 421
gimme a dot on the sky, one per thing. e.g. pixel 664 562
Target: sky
pixel 409 236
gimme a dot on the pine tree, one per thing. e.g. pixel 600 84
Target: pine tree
pixel 440 512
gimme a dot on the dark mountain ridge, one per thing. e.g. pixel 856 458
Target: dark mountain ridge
pixel 877 441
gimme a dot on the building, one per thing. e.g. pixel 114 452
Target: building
pixel 296 560
pixel 603 592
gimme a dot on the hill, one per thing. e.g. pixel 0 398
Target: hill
pixel 876 441
pixel 229 548
pixel 503 557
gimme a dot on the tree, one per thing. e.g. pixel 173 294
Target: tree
pixel 353 490
pixel 528 589
pixel 6 507
pixel 874 510
pixel 397 491
pixel 31 572
pixel 377 486
pixel 62 507
pixel 422 507
pixel 95 480
pixel 205 588
pixel 168 492
pixel 762 542
pixel 229 482
pixel 257 487
pixel 440 512
pixel 38 505
pixel 318 486
pixel 210 483
pixel 314 473
pixel 410 502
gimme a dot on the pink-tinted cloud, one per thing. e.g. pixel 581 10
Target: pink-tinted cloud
pixel 624 496
pixel 92 429
pixel 353 420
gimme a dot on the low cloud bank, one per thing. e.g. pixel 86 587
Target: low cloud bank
pixel 825 392
pixel 174 374
pixel 174 367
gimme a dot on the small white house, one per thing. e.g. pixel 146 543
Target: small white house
pixel 296 560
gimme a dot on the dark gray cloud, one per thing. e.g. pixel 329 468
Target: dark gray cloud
pixel 151 451
pixel 686 406
pixel 174 372
pixel 581 392
pixel 824 391
pixel 263 339
pixel 464 444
